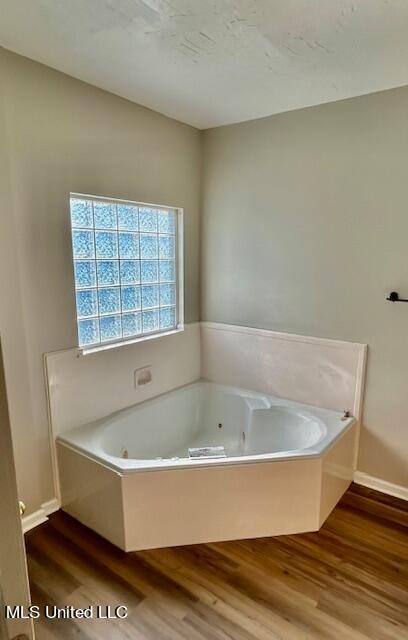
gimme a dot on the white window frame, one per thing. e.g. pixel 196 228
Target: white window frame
pixel 179 279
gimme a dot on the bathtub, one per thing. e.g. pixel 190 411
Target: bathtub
pixel 206 463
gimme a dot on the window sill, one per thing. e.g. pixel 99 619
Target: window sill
pixel 84 351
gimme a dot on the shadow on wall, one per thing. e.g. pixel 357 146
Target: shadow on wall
pixel 388 458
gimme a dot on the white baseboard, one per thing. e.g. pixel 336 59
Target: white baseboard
pixel 396 490
pixel 50 506
pixel 33 520
pixel 41 515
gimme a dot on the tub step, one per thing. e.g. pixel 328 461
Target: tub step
pixel 207 452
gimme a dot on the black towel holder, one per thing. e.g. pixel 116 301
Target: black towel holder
pixel 394 297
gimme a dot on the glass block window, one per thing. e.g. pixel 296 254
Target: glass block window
pixel 126 257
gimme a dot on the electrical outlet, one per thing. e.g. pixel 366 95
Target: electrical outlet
pixel 143 376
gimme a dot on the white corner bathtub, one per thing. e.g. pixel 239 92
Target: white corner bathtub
pixel 131 476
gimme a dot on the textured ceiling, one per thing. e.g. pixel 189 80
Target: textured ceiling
pixel 213 63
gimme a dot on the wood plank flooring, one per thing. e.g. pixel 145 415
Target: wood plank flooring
pixel 349 581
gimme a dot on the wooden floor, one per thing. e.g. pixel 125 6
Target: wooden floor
pixel 349 581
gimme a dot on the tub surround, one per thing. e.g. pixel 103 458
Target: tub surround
pixel 315 371
pixel 85 388
pixel 286 467
pixel 182 359
pixel 307 370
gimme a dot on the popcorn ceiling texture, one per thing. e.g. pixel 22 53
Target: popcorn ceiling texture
pixel 215 62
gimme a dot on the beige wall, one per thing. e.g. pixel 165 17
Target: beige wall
pixel 305 230
pixel 59 135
